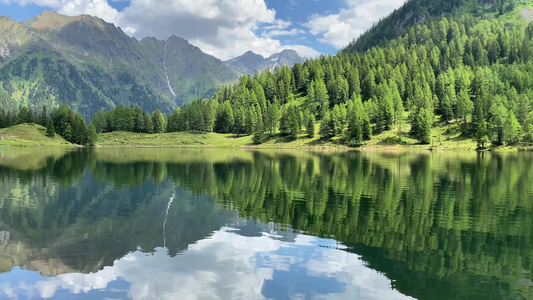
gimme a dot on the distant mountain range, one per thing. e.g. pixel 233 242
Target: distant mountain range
pixel 94 65
pixel 249 62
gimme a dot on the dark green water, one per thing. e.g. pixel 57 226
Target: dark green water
pixel 232 224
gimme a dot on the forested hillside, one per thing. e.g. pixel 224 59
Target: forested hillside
pixel 468 70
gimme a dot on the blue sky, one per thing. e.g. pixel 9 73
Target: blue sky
pixel 228 28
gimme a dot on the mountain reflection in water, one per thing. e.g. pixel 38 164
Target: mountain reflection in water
pixel 215 224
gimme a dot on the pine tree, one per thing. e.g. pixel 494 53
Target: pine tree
pixel 336 120
pixel 225 119
pixel 100 122
pixel 159 121
pixel 310 126
pixel 321 98
pixel 464 109
pixel 425 123
pixel 354 134
pixel 239 119
pixel 50 131
pixel 386 107
pixel 259 132
pixel 68 133
pixel 293 122
pixel 79 130
pixel 497 121
pixel 326 131
pixel 512 130
pixel 43 119
pixel 250 120
pixel 481 135
pixel 173 121
pixel 273 118
pixel 148 125
pixel 24 116
pixel 91 138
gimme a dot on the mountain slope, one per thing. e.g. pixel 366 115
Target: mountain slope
pixel 93 65
pixel 12 37
pixel 193 73
pixel 414 12
pixel 249 62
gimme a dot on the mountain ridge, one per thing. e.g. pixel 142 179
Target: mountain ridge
pixel 92 65
pixel 249 62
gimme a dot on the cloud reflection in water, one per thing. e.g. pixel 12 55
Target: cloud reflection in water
pixel 226 265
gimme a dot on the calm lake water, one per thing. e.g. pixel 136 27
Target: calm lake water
pixel 235 224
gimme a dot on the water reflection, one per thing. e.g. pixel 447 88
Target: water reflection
pixel 226 265
pixel 214 224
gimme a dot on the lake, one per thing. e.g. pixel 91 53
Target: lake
pixel 236 224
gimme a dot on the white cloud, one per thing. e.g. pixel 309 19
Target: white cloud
pixel 223 266
pixel 277 32
pixel 100 8
pixel 349 23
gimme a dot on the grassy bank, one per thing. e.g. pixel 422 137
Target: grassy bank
pixel 207 140
pixel 444 137
pixel 30 135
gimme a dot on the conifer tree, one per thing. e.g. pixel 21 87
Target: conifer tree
pixel 259 131
pixel 159 121
pixel 148 125
pixel 68 133
pixel 425 123
pixel 326 131
pixel 512 130
pixel 91 138
pixel 50 131
pixel 481 135
pixel 354 134
pixel 24 116
pixel 43 119
pixel 310 126
pixel 273 118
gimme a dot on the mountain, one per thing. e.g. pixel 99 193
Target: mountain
pixel 411 13
pixel 92 65
pixel 249 62
pixel 415 12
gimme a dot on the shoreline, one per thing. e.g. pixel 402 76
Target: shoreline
pixel 32 136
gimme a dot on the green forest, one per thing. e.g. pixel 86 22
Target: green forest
pixel 470 71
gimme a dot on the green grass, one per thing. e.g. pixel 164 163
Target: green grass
pixel 444 137
pixel 208 140
pixel 174 139
pixel 30 135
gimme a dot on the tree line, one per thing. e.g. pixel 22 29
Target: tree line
pixel 61 120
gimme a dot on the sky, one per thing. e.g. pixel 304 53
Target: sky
pixel 228 28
